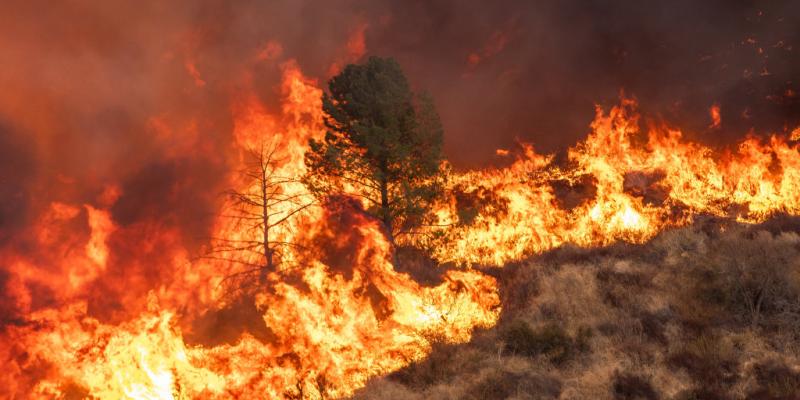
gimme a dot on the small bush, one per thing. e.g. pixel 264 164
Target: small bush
pixel 550 340
pixel 752 276
pixel 638 352
pixel 633 387
pixel 622 289
pixel 499 385
pixel 502 385
pixel 776 381
pixel 520 283
pixel 703 393
pixel 626 279
pixel 709 360
pixel 653 327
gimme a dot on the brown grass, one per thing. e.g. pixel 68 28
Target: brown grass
pixel 710 311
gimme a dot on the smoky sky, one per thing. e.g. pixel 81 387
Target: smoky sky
pixel 533 70
pixel 134 93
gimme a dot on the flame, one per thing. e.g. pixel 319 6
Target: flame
pixel 338 312
pixel 332 321
pixel 641 185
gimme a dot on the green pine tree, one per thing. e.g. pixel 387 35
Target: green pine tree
pixel 383 144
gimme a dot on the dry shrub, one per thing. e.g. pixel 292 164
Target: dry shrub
pixel 757 278
pixel 571 295
pixel 674 245
pixel 776 381
pixel 519 284
pixel 633 387
pixel 445 361
pixel 703 393
pixel 780 223
pixel 624 278
pixel 750 278
pixel 638 352
pixel 709 359
pixel 549 340
pixel 653 326
pixel 692 315
pixel 629 288
pixel 383 389
pixel 505 385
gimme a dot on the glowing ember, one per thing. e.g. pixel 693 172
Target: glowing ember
pixel 716 117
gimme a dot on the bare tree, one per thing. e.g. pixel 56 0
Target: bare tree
pixel 262 205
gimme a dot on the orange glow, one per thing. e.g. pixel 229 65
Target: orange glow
pixel 642 183
pixel 191 68
pixel 337 312
pixel 127 127
pixel 333 321
pixel 716 118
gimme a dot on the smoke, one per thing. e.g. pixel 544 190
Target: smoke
pixel 17 168
pixel 534 70
pixel 87 79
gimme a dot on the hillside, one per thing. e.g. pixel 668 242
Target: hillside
pixel 709 311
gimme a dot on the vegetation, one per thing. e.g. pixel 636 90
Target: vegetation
pixel 549 340
pixel 631 387
pixel 383 144
pixel 262 207
pixel 702 312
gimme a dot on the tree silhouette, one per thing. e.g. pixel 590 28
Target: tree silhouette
pixel 383 144
pixel 258 208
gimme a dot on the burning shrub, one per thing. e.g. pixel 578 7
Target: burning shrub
pixel 480 201
pixel 647 186
pixel 572 193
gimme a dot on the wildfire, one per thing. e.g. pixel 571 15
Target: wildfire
pixel 626 185
pixel 335 314
pixel 338 312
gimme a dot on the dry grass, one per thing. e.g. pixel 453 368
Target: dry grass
pixel 710 311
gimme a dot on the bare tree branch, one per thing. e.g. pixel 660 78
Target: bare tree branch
pixel 255 209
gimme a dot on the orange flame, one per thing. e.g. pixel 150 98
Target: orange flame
pixel 639 188
pixel 333 322
pixel 338 312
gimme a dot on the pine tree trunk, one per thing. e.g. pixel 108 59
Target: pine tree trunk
pixel 386 214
